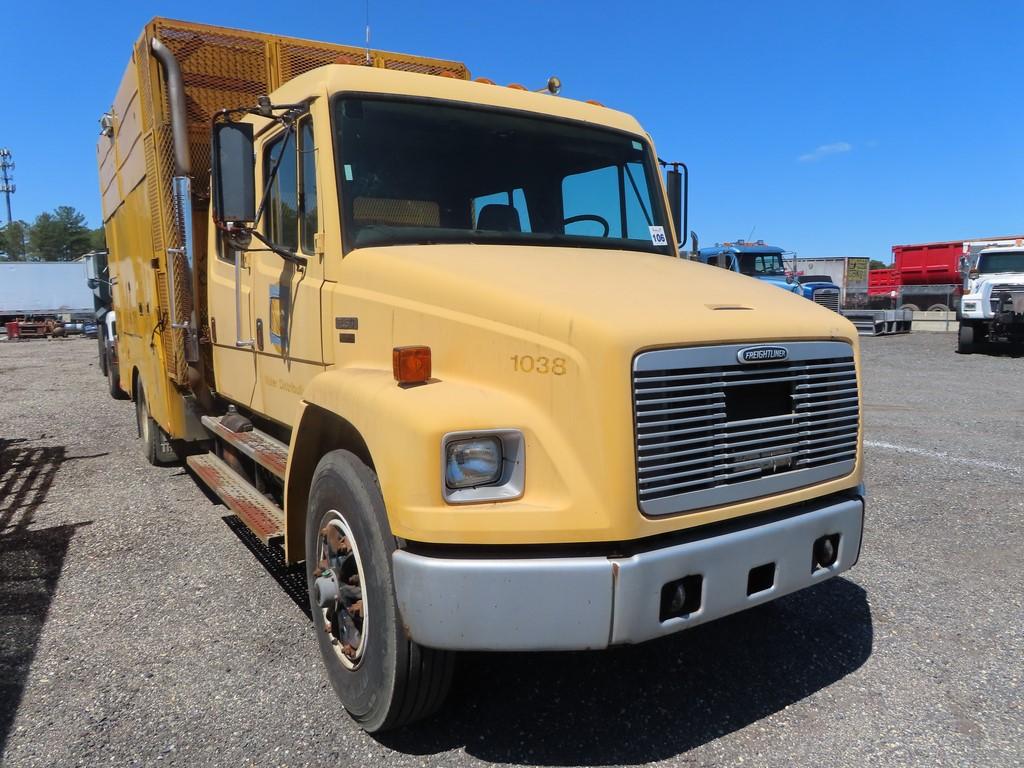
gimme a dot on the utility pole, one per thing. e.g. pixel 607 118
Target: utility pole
pixel 6 179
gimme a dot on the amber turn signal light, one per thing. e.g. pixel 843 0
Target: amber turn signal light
pixel 411 364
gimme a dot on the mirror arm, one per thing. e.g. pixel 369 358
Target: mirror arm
pixel 290 256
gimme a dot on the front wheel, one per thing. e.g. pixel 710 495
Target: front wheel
pixel 966 343
pixel 383 679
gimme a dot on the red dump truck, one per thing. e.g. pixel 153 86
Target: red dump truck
pixel 927 276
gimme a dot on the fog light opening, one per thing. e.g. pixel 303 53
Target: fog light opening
pixel 681 597
pixel 760 578
pixel 825 552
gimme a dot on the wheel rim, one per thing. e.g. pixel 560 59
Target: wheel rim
pixel 346 621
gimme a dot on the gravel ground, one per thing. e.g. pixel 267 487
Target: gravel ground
pixel 137 626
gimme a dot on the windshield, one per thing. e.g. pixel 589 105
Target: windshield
pixel 1008 261
pixel 429 172
pixel 762 264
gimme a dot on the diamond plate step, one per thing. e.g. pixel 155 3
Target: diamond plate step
pixel 269 453
pixel 262 516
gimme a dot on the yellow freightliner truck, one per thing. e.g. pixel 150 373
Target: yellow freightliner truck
pixel 433 337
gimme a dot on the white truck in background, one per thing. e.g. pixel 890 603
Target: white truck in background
pixel 992 307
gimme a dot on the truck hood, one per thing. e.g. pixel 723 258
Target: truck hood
pixel 567 294
pixel 978 284
pixel 1002 278
pixel 780 282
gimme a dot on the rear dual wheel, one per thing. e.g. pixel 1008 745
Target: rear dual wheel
pixel 383 679
pixel 113 383
pixel 101 339
pixel 153 438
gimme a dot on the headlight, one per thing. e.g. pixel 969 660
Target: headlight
pixel 970 306
pixel 483 465
pixel 473 462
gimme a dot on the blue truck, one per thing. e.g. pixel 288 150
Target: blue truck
pixel 768 264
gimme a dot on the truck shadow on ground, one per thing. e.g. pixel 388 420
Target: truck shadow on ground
pixel 30 564
pixel 645 703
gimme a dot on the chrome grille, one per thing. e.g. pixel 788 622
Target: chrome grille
pixel 1013 290
pixel 711 430
pixel 827 297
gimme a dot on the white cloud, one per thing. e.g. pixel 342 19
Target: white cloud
pixel 825 150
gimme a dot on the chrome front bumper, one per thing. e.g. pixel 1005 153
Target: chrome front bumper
pixel 576 603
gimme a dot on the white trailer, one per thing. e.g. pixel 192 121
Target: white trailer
pixel 47 289
pixel 850 273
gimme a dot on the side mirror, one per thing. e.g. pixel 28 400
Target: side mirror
pixel 234 173
pixel 677 184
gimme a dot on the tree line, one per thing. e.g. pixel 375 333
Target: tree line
pixel 58 235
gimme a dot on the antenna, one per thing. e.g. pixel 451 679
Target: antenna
pixel 750 237
pixel 367 32
pixel 6 179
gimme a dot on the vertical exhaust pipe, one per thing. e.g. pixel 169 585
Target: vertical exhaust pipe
pixel 181 186
pixel 176 97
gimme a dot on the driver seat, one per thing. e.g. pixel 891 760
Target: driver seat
pixel 499 218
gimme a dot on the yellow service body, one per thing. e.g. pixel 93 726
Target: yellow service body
pixel 579 315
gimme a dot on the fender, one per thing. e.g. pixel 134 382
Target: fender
pixel 398 431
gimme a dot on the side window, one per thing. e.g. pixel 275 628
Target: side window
pixel 516 199
pixel 638 202
pixel 308 221
pixel 282 210
pixel 594 195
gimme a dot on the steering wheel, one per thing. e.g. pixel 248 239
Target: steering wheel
pixel 589 217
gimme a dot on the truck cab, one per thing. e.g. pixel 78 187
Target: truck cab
pixel 992 307
pixel 762 262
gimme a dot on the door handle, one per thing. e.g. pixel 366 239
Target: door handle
pixel 259 334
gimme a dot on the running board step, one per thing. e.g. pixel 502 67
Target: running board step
pixel 260 515
pixel 269 453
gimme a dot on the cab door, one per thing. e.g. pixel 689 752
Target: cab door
pixel 229 292
pixel 286 296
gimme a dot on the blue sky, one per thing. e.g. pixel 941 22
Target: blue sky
pixel 831 128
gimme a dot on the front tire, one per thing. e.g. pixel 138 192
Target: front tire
pixel 966 343
pixel 383 679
